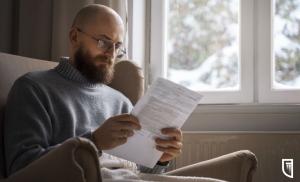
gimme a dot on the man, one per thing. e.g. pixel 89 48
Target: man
pixel 47 107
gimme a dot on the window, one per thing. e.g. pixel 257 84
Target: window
pixel 203 44
pixel 286 44
pixel 277 51
pixel 222 35
pixel 231 51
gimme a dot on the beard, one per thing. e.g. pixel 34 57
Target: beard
pixel 101 73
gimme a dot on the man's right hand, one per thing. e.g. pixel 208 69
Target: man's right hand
pixel 115 131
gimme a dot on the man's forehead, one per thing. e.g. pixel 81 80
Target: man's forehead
pixel 109 29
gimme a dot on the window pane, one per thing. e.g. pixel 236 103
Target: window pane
pixel 287 44
pixel 203 44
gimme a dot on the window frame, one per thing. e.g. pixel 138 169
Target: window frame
pixel 265 57
pixel 256 60
pixel 158 54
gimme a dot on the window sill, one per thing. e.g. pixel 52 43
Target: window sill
pixel 248 108
pixel 244 118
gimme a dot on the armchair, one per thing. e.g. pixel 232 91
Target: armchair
pixel 76 159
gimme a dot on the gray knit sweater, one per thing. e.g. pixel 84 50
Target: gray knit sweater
pixel 45 108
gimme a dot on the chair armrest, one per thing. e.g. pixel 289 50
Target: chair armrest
pixel 74 160
pixel 237 166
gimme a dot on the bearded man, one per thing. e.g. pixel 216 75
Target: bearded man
pixel 45 108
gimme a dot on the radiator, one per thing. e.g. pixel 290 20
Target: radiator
pixel 270 148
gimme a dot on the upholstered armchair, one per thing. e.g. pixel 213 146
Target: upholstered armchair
pixel 76 159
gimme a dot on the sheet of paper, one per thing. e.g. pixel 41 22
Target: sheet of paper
pixel 166 104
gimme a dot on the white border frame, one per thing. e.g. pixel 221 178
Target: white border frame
pixel 264 53
pixel 158 46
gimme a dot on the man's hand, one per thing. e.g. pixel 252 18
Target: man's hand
pixel 115 131
pixel 171 147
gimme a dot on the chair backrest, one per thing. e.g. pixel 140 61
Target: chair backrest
pixel 128 79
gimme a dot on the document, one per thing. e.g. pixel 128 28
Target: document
pixel 165 104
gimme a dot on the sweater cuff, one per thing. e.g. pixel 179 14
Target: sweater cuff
pixel 89 136
pixel 157 169
pixel 163 163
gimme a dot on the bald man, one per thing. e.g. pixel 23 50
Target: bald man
pixel 46 108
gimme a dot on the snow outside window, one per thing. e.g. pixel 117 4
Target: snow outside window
pixel 231 51
pixel 204 45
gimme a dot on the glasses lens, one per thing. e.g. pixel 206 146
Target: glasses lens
pixel 121 52
pixel 104 45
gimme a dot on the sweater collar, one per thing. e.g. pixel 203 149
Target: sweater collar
pixel 68 71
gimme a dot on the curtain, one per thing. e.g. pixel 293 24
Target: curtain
pixel 39 28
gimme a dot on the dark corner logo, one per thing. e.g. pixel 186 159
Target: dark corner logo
pixel 287 166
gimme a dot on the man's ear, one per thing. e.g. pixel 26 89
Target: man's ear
pixel 73 36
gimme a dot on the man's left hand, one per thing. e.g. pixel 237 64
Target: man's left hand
pixel 170 147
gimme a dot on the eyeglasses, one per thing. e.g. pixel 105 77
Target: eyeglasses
pixel 106 44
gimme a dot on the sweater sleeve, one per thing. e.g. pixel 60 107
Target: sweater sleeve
pixel 27 126
pixel 157 169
